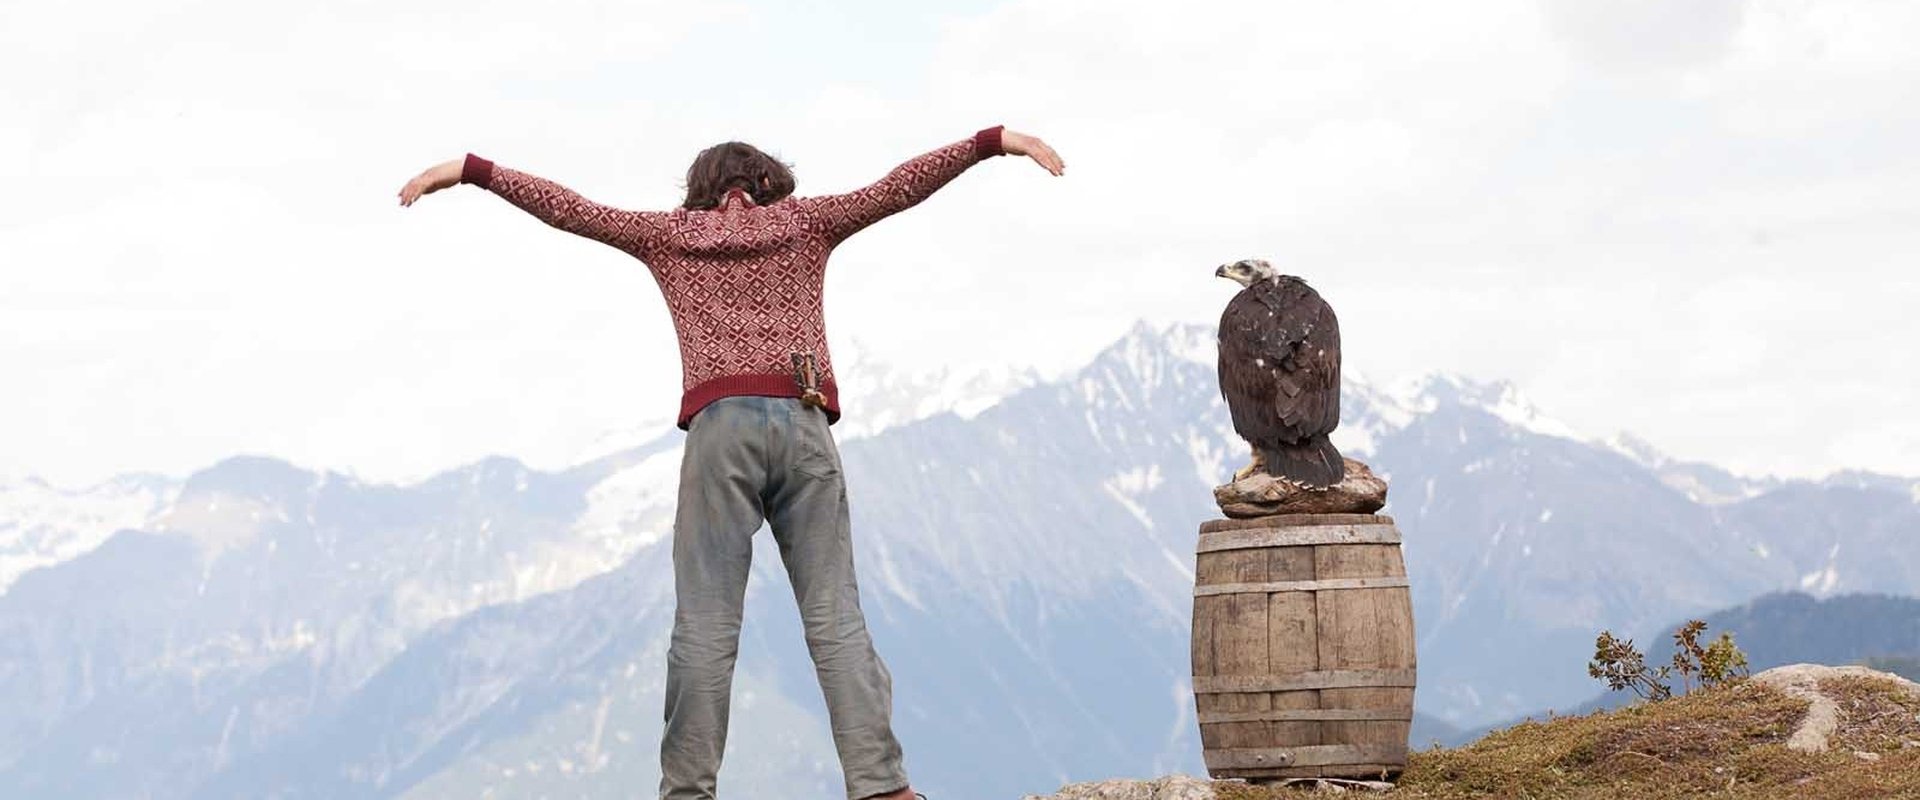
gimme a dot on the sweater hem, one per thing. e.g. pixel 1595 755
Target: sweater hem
pixel 751 385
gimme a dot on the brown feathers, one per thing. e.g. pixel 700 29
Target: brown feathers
pixel 1280 375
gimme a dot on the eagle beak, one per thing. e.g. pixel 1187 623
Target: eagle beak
pixel 1222 271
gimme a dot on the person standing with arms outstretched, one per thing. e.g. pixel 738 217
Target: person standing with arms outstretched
pixel 742 264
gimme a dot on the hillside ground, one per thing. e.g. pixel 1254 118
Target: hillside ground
pixel 1727 742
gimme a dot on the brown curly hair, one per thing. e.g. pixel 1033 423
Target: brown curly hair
pixel 731 165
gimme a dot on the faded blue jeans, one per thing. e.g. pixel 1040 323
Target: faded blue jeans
pixel 750 459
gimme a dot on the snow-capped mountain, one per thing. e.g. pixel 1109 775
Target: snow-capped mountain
pixel 42 525
pixel 1701 483
pixel 876 395
pixel 1027 574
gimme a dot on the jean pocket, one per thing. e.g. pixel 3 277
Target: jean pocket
pixel 814 452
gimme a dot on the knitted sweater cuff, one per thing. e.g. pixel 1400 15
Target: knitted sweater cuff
pixel 986 144
pixel 477 171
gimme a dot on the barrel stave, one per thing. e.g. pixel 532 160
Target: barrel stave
pixel 1236 642
pixel 1363 629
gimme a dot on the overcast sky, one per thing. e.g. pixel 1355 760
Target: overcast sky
pixel 1694 221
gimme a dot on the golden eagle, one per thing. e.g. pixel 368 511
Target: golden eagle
pixel 1280 374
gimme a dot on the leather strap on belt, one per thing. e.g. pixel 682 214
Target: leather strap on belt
pixel 806 374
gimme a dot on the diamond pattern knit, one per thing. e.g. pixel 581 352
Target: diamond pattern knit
pixel 742 281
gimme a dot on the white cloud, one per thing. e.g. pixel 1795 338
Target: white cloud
pixel 1646 34
pixel 1690 223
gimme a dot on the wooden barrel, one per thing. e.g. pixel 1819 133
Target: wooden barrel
pixel 1302 647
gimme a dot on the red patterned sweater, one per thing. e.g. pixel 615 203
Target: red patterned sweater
pixel 742 281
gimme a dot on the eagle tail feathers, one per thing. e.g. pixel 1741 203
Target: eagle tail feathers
pixel 1314 462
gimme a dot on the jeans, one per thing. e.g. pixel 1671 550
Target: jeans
pixel 749 459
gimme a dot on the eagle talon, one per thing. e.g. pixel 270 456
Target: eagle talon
pixel 1259 465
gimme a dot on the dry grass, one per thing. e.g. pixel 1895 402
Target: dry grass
pixel 1874 719
pixel 1726 742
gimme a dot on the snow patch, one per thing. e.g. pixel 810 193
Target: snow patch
pixel 632 508
pixel 1179 563
pixel 1520 412
pixel 1127 487
pixel 42 525
pixel 1209 458
pixel 1356 441
pixel 1501 399
pixel 1820 581
pixel 1637 450
pixel 1192 343
pixel 619 440
pixel 893 580
pixel 1823 581
pixel 877 396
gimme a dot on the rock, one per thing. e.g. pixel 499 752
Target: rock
pixel 1176 787
pixel 1803 681
pixel 1261 495
pixel 1337 785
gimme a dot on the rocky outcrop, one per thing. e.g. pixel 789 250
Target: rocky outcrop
pixel 1176 787
pixel 1823 714
pixel 1262 495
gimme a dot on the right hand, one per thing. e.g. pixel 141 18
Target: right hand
pixel 435 178
pixel 1014 143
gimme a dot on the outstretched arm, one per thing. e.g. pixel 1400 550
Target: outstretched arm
pixel 633 231
pixel 839 216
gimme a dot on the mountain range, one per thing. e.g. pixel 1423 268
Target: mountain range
pixel 1025 543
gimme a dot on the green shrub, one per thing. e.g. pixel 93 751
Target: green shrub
pixel 1622 665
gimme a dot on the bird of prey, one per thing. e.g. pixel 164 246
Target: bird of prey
pixel 1280 374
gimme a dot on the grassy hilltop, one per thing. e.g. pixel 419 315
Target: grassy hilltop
pixel 1729 741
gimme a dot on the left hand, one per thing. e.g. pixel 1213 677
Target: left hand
pixel 435 178
pixel 1014 143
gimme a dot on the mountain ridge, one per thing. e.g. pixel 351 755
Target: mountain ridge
pixel 1028 571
